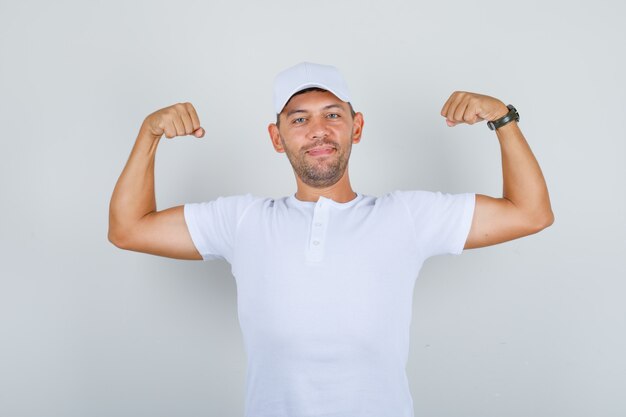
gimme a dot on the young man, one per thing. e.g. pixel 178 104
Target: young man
pixel 325 276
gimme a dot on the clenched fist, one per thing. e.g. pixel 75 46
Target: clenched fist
pixel 178 120
pixel 464 107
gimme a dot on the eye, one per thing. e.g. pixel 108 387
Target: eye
pixel 298 120
pixel 333 116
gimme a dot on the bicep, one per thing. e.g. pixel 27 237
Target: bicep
pixel 163 233
pixel 497 220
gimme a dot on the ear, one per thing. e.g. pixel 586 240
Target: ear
pixel 357 127
pixel 275 138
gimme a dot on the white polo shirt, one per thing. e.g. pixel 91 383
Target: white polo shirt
pixel 324 293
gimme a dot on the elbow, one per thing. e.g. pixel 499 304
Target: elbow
pixel 542 221
pixel 116 239
pixel 549 219
pixel 119 233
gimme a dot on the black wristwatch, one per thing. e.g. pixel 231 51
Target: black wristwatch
pixel 507 118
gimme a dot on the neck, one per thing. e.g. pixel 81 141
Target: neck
pixel 341 191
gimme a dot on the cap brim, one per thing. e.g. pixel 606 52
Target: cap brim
pixel 341 96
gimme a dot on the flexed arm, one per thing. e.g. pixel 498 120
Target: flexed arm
pixel 134 223
pixel 524 207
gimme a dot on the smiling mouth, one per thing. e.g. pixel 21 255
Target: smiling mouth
pixel 321 151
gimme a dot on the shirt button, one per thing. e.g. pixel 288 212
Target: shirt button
pixel 316 242
pixel 318 224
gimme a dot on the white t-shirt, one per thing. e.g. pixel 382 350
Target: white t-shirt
pixel 325 291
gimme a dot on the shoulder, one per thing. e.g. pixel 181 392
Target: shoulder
pixel 232 207
pixel 232 200
pixel 428 204
pixel 427 197
pixel 410 197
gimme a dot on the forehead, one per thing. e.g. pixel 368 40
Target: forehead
pixel 313 100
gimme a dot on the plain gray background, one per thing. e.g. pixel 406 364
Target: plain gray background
pixel 533 327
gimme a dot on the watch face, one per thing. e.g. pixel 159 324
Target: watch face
pixel 513 112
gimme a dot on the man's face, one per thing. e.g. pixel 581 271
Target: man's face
pixel 316 132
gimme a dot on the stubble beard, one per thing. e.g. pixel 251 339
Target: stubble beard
pixel 319 172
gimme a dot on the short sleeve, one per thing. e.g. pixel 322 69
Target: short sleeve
pixel 213 224
pixel 442 221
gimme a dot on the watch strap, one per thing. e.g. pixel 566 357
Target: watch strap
pixel 507 118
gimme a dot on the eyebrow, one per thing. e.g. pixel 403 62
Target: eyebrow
pixel 330 106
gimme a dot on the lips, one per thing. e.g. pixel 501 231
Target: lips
pixel 321 151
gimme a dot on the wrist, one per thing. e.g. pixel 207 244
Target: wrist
pixel 502 111
pixel 511 116
pixel 146 132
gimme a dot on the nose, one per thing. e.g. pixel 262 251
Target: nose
pixel 317 128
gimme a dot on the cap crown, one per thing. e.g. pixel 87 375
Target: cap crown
pixel 306 75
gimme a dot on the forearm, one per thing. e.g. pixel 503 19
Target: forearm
pixel 134 196
pixel 523 182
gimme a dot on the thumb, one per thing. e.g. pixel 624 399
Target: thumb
pixel 199 132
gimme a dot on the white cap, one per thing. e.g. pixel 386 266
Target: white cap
pixel 306 75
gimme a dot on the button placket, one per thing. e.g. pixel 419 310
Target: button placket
pixel 318 231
